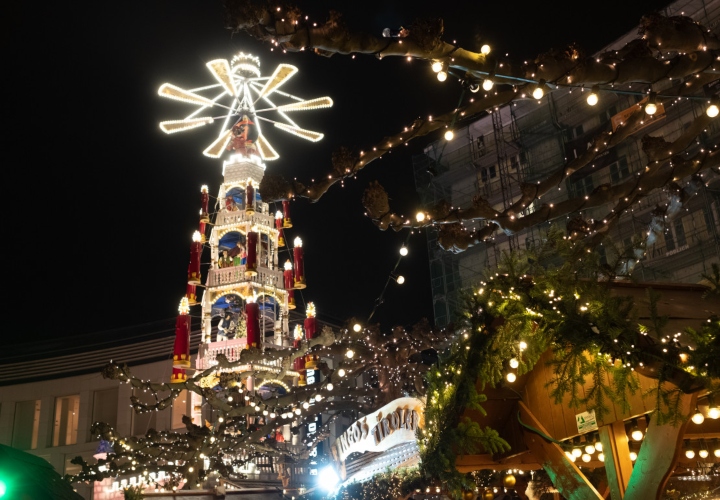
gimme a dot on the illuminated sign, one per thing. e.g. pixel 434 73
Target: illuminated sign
pixel 391 425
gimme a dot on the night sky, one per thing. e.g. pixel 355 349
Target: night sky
pixel 102 204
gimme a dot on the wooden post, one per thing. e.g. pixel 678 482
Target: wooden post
pixel 564 474
pixel 658 455
pixel 618 466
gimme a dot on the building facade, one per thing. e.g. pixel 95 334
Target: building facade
pixel 530 139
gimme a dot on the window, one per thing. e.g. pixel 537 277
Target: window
pixel 675 236
pixel 488 173
pixel 179 408
pixel 579 131
pixel 619 170
pixel 105 406
pixel 67 413
pixel 26 425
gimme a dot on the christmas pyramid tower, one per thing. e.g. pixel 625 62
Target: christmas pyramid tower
pixel 248 290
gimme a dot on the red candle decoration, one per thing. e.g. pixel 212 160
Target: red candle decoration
pixel 251 264
pixel 204 200
pixel 191 294
pixel 279 227
pixel 299 363
pixel 252 310
pixel 201 230
pixel 299 265
pixel 287 223
pixel 310 322
pixel 181 349
pixel 291 299
pixel 178 376
pixel 250 199
pixel 194 277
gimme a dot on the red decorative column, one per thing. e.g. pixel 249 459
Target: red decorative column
pixel 204 202
pixel 194 277
pixel 299 363
pixel 178 376
pixel 289 284
pixel 191 294
pixel 250 199
pixel 310 333
pixel 181 349
pixel 279 227
pixel 252 244
pixel 201 230
pixel 252 309
pixel 299 265
pixel 287 223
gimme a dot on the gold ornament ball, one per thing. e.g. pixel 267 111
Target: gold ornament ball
pixel 468 495
pixel 488 495
pixel 509 481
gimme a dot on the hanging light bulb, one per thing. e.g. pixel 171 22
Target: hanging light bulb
pixel 592 99
pixel 601 457
pixel 442 75
pixel 487 84
pixel 703 453
pixel 436 66
pixel 357 327
pixel 598 445
pixel 449 135
pixel 698 418
pixel 403 250
pixel 514 363
pixel 485 49
pixel 298 411
pixel 689 452
pixel 420 216
pixel 589 448
pixel 400 279
pixel 341 373
pixel 651 106
pixel 716 451
pixel 712 109
pixel 511 377
pixel 636 434
pixel 473 87
pixel 539 92
pixel 306 405
pixel 586 458
pixel 713 410
pixel 577 452
pixel 350 353
pixel 633 456
pixel 329 387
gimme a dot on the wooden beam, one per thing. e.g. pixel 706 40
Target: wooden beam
pixel 470 463
pixel 658 455
pixel 618 466
pixel 564 474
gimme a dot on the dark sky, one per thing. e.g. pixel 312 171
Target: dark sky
pixel 102 204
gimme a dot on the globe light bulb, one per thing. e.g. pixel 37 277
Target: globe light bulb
pixel 651 108
pixel 698 418
pixel 298 411
pixel 357 327
pixel 636 434
pixel 318 397
pixel 511 377
pixel 350 353
pixel 713 412
pixel 329 387
pixel 449 135
pixel 436 66
pixel 341 372
pixel 589 448
pixel 716 452
pixel 514 363
pixel 598 446
pixel 577 452
pixel 690 453
pixel 633 456
pixel 442 76
pixel 420 216
pixel 601 457
pixel 712 110
pixel 272 415
pixel 400 280
pixel 485 49
pixel 703 453
pixel 592 99
pixel 306 405
pixel 586 458
pixel 487 84
pixel 538 93
pixel 403 251
pixel 522 345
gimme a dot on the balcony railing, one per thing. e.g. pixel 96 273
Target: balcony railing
pixel 231 349
pixel 236 274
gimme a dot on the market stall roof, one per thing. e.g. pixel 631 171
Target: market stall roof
pixel 27 476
